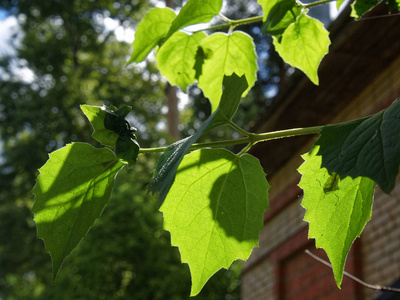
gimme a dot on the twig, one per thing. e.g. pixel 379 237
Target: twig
pixel 378 17
pixel 367 285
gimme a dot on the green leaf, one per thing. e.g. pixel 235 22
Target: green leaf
pixel 214 210
pixel 177 56
pixel 122 112
pixel 111 129
pixel 226 54
pixel 360 7
pixel 278 15
pixel 195 12
pixel 281 15
pixel 167 164
pixel 127 149
pixel 96 116
pixel 114 120
pixel 267 6
pixel 303 45
pixel 367 147
pixel 337 209
pixel 169 161
pixel 339 4
pixel 71 192
pixel 150 31
pixel 233 89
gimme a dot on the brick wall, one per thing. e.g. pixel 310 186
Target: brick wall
pixel 302 277
pixel 381 242
pixel 258 283
pixel 376 259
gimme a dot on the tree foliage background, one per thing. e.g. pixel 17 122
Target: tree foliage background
pixel 75 60
pixel 73 57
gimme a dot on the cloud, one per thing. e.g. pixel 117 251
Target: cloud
pixel 8 28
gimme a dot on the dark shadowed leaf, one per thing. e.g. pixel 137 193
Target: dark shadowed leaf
pixel 367 147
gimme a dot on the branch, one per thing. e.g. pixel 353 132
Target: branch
pixel 317 3
pixel 217 144
pixel 262 137
pixel 251 20
pixel 253 139
pixel 367 285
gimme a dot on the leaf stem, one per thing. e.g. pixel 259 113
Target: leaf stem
pixel 219 144
pixel 252 139
pixel 245 149
pixel 234 23
pixel 262 137
pixel 238 128
pixel 226 19
pixel 247 21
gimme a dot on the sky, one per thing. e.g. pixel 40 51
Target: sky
pixel 2 34
pixel 8 27
pixel 3 14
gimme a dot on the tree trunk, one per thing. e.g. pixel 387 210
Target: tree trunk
pixel 173 112
pixel 172 102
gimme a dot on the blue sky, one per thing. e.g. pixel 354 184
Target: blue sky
pixel 8 27
pixel 3 14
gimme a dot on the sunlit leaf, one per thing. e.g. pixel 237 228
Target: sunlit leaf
pixel 337 209
pixel 96 116
pixel 169 161
pixel 177 56
pixel 226 54
pixel 71 192
pixel 150 31
pixel 195 12
pixel 214 210
pixel 339 3
pixel 303 45
pixel 360 7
